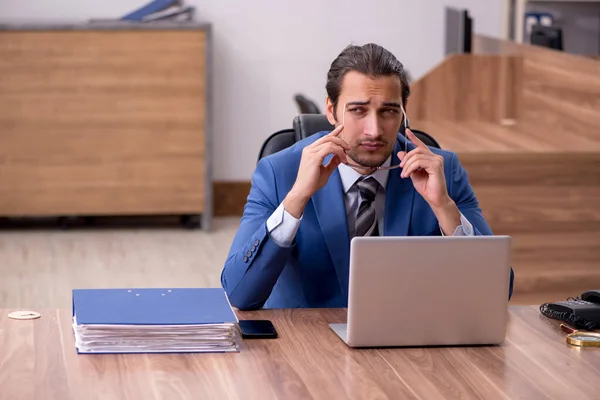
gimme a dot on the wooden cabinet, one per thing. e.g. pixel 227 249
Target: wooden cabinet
pixel 105 120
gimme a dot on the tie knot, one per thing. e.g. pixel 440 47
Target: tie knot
pixel 367 186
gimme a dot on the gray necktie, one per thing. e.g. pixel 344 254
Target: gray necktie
pixel 366 219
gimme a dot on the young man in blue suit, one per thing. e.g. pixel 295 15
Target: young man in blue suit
pixel 308 201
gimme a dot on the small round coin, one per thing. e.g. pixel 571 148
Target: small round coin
pixel 24 315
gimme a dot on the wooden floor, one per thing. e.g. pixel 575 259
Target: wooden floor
pixel 39 268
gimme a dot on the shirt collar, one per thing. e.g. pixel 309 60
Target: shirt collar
pixel 349 175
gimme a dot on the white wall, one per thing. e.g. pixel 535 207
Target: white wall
pixel 267 50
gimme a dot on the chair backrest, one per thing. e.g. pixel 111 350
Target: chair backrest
pixel 305 105
pixel 305 125
pixel 276 142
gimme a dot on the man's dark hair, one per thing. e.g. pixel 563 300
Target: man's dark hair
pixel 371 60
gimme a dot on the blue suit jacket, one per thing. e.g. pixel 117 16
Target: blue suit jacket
pixel 314 271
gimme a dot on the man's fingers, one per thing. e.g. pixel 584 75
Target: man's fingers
pixel 414 152
pixel 333 164
pixel 331 148
pixel 336 131
pixel 339 141
pixel 422 158
pixel 331 137
pixel 421 161
pixel 413 138
pixel 418 158
pixel 407 172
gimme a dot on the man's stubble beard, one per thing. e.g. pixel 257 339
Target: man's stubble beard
pixel 355 156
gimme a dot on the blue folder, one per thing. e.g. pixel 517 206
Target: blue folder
pixel 150 8
pixel 175 306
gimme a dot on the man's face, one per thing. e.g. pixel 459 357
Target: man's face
pixel 371 117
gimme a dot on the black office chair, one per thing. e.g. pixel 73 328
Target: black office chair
pixel 305 105
pixel 276 142
pixel 305 125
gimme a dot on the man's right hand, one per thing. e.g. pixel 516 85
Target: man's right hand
pixel 312 174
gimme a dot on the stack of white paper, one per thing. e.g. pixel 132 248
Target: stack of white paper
pixel 155 339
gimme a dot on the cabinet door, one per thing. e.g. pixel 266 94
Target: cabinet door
pixel 102 122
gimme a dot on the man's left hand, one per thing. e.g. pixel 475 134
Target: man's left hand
pixel 426 170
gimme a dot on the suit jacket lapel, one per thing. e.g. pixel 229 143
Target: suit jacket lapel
pixel 399 197
pixel 331 212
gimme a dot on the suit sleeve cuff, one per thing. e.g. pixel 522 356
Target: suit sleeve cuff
pixel 464 229
pixel 282 227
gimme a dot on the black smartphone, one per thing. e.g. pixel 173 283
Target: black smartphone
pixel 257 329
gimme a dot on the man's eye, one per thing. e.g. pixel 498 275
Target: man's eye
pixel 355 110
pixel 391 111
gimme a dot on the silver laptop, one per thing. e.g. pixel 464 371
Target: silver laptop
pixel 427 291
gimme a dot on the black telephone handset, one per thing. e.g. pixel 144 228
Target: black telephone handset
pixel 582 313
pixel 593 296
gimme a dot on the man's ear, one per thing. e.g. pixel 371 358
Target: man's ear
pixel 330 111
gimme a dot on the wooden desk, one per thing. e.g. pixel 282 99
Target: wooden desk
pixel 38 360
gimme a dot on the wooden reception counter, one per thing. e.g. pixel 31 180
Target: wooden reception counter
pixel 525 122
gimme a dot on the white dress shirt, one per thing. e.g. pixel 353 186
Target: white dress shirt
pixel 282 226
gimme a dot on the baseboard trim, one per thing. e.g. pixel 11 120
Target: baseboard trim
pixel 230 197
